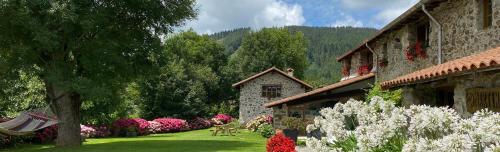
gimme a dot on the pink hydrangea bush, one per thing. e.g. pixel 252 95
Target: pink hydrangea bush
pixel 199 123
pixel 224 118
pixel 172 125
pixel 154 127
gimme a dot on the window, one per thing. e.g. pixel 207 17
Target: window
pixel 485 13
pixel 423 31
pixel 271 91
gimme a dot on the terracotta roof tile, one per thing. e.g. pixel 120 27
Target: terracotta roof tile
pixel 320 90
pixel 481 60
pixel 236 85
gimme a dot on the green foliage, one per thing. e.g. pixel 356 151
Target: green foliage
pixel 394 144
pixel 191 77
pixel 388 95
pixel 293 123
pixel 349 144
pixel 266 130
pixel 324 45
pixel 23 92
pixel 226 107
pixel 270 47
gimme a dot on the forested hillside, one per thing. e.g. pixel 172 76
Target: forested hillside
pixel 324 44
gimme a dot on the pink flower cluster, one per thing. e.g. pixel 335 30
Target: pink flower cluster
pixel 87 131
pixel 137 124
pixel 93 131
pixel 199 123
pixel 154 127
pixel 142 126
pixel 172 125
pixel 46 135
pixel 223 117
pixel 269 119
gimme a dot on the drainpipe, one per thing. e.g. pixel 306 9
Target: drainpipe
pixel 375 64
pixel 440 33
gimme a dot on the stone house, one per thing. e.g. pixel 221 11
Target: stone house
pixel 441 53
pixel 259 89
pixel 358 77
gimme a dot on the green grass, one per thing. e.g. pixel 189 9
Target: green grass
pixel 192 141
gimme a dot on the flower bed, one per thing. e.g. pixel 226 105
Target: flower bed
pixel 280 143
pixel 199 123
pixel 381 126
pixel 254 124
pixel 224 118
pixel 172 125
pixel 154 127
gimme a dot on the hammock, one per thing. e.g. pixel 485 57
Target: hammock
pixel 27 122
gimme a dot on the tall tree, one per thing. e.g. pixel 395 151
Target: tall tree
pixel 84 48
pixel 191 77
pixel 271 47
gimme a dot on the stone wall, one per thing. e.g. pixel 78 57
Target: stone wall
pixel 462 36
pixel 415 95
pixel 251 101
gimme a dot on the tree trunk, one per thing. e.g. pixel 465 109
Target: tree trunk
pixel 66 106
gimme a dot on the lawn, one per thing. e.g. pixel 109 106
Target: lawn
pixel 192 141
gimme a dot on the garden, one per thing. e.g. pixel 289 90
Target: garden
pixel 136 134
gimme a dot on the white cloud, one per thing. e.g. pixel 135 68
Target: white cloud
pixel 215 16
pixel 387 10
pixel 347 21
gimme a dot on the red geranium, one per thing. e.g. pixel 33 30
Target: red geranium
pixel 409 54
pixel 280 143
pixel 419 50
pixel 364 69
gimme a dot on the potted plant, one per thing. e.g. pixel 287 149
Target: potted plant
pixel 292 127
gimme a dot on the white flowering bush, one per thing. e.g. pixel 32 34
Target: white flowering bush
pixel 381 126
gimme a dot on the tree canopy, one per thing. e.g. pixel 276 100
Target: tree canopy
pixel 191 77
pixel 271 47
pixel 84 49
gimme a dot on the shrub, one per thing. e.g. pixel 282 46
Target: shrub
pixel 45 135
pixel 394 96
pixel 280 143
pixel 294 123
pixel 223 117
pixel 154 127
pixel 87 131
pixel 142 126
pixel 257 121
pixel 382 126
pixel 199 123
pixel 94 131
pixel 266 130
pixel 172 125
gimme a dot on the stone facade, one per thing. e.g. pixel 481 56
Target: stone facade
pixel 462 36
pixel 251 100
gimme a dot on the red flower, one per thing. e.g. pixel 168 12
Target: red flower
pixel 419 50
pixel 364 69
pixel 409 54
pixel 280 143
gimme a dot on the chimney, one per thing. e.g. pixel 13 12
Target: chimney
pixel 289 71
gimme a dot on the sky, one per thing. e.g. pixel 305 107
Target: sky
pixel 219 15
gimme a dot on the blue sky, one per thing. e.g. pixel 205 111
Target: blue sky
pixel 219 15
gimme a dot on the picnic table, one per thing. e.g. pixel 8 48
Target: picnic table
pixel 224 129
